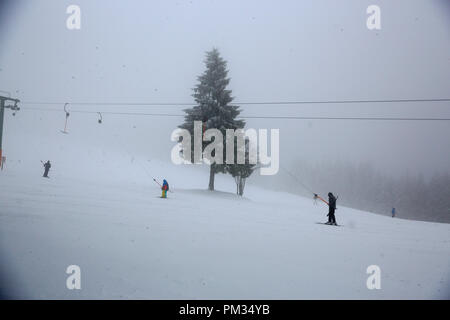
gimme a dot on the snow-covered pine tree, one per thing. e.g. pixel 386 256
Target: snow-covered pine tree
pixel 241 172
pixel 213 106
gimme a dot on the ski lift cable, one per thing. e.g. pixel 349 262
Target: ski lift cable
pixel 298 180
pixel 316 196
pixel 121 145
pixel 256 117
pixel 300 102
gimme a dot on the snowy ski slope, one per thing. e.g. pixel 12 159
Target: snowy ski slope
pixel 106 217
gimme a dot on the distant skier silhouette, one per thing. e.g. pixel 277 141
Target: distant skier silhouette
pixel 164 188
pixel 47 167
pixel 393 212
pixel 331 209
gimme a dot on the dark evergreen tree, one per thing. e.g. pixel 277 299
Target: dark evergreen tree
pixel 241 172
pixel 213 106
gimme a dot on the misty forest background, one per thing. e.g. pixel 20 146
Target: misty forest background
pixel 361 186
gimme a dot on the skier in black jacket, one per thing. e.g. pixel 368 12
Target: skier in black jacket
pixel 331 209
pixel 47 167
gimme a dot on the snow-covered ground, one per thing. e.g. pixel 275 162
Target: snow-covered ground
pixel 107 219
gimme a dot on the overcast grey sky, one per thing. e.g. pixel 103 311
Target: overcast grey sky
pixel 152 51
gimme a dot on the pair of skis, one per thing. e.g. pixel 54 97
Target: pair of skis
pixel 329 224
